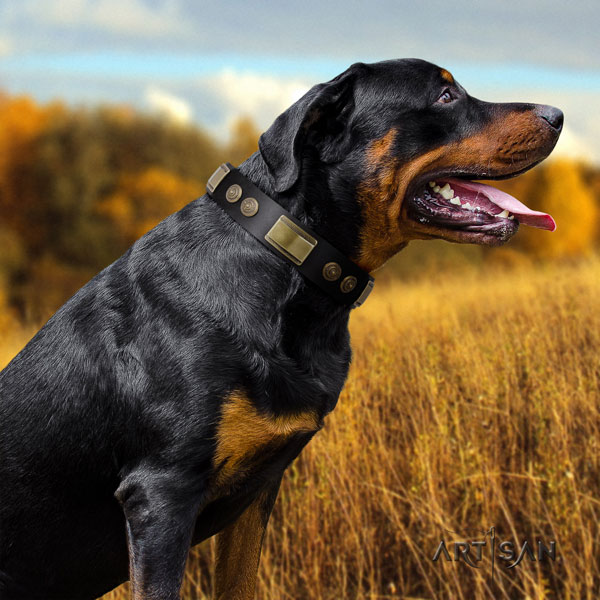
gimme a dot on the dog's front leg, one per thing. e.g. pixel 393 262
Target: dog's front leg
pixel 160 514
pixel 238 549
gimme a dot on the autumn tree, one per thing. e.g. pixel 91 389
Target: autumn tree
pixel 560 190
pixel 59 167
pixel 143 199
pixel 244 141
pixel 21 124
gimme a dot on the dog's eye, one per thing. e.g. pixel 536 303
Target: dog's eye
pixel 445 98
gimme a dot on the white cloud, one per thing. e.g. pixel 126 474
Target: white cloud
pixel 572 145
pixel 259 96
pixel 175 108
pixel 582 126
pixel 6 46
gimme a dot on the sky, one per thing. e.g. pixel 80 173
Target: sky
pixel 211 62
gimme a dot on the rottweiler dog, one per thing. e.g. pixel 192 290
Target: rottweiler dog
pixel 163 402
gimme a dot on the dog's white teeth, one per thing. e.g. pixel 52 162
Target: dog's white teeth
pixel 432 184
pixel 511 217
pixel 504 214
pixel 447 192
pixel 468 206
pixel 436 188
pixel 455 201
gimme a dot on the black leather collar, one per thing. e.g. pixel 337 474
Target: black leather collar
pixel 283 234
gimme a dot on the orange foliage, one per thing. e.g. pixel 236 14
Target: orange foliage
pixel 564 194
pixel 244 140
pixel 143 199
pixel 21 122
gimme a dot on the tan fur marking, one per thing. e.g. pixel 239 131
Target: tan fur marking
pixel 499 148
pixel 380 149
pixel 238 555
pixel 381 197
pixel 243 431
pixel 447 76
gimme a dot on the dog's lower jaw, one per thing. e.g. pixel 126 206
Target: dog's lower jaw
pixel 493 234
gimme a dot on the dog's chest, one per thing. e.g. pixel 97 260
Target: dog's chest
pixel 248 440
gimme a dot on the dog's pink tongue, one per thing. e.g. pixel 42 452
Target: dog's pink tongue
pixel 522 213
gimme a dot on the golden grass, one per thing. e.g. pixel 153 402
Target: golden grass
pixel 471 402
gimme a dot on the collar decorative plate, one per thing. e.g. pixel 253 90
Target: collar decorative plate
pixel 275 228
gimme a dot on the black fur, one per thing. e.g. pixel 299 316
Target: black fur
pixel 111 409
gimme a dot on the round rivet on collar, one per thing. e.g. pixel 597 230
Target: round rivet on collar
pixel 249 207
pixel 233 193
pixel 332 271
pixel 348 284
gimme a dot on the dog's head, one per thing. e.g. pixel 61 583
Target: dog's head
pixel 396 144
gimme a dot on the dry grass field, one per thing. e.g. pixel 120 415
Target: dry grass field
pixel 472 401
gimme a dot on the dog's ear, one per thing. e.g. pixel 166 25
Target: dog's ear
pixel 319 119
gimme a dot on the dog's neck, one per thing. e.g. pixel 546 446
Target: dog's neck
pixel 308 309
pixel 321 198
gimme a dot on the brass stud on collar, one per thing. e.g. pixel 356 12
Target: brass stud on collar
pixel 233 193
pixel 348 284
pixel 249 207
pixel 332 271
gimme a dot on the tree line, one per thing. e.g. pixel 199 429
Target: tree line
pixel 79 185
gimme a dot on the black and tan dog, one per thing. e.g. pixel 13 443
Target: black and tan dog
pixel 163 402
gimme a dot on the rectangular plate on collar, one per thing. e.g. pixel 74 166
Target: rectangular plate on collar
pixel 291 240
pixel 216 178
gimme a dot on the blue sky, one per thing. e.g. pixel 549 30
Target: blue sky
pixel 209 62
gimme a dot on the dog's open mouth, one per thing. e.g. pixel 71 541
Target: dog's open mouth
pixel 472 212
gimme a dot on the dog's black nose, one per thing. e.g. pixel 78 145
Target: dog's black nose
pixel 553 116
